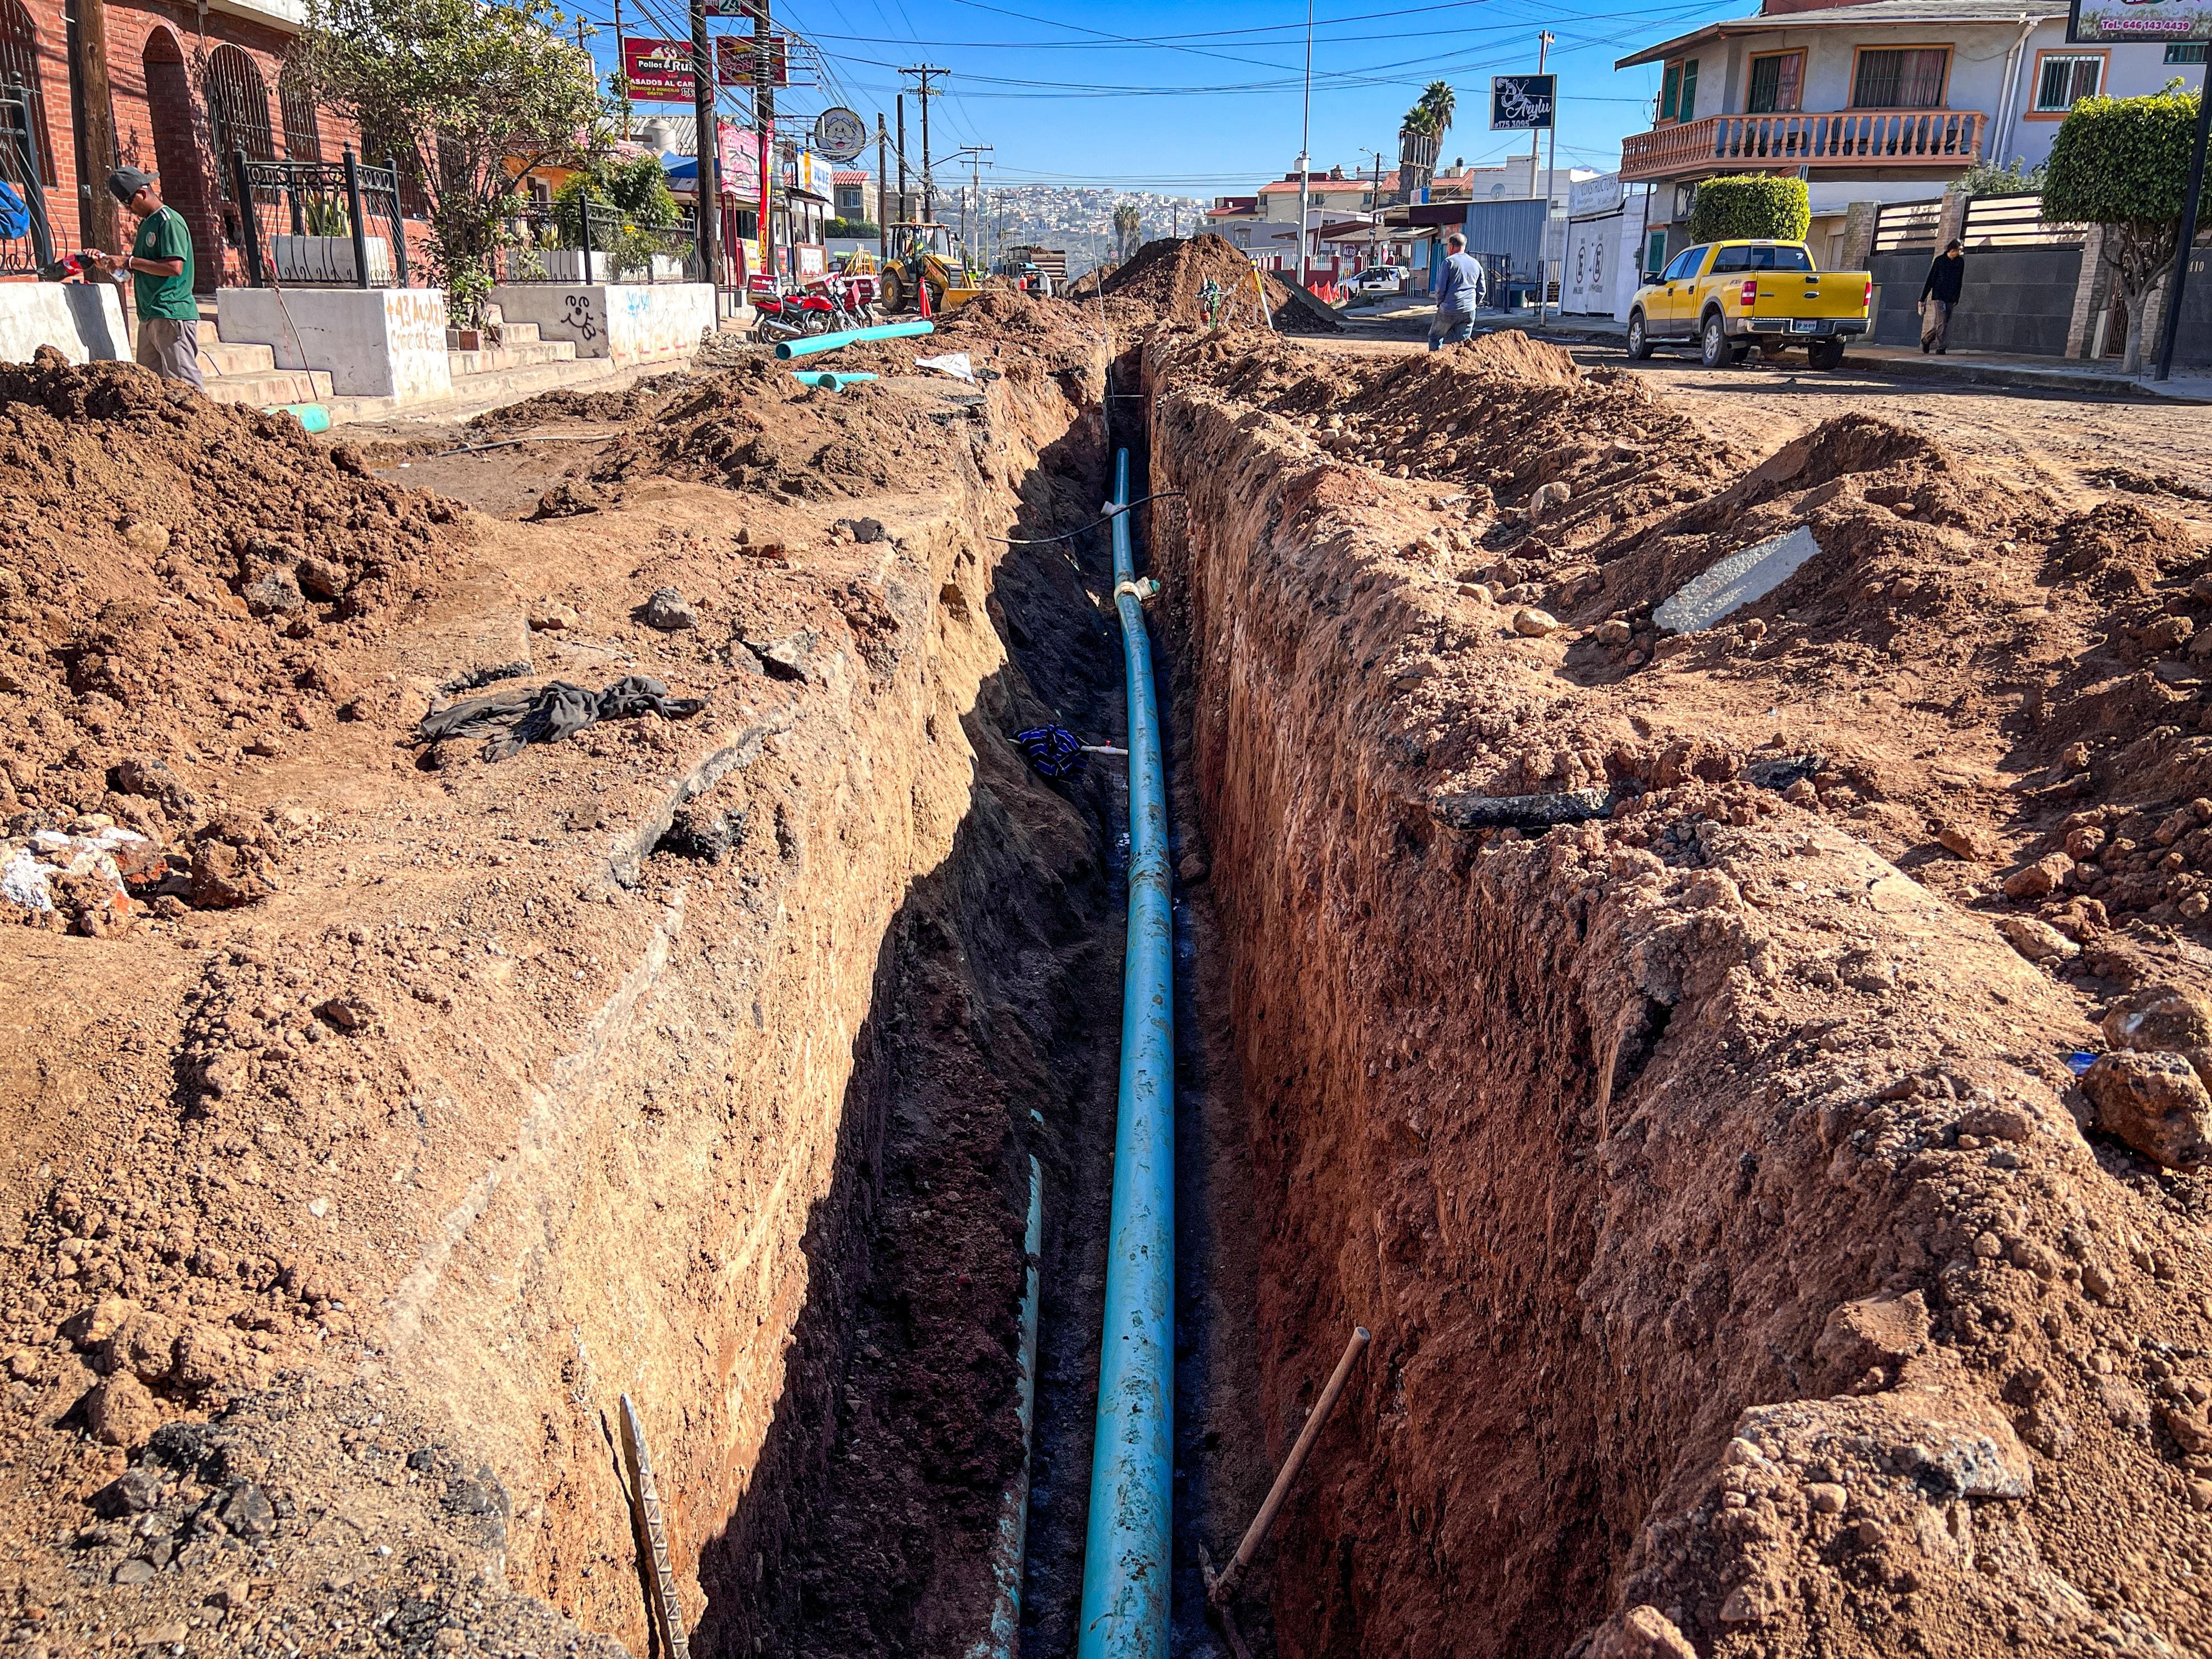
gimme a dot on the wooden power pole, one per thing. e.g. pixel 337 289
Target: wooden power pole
pixel 708 143
pixel 100 229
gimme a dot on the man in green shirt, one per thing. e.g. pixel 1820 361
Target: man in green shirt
pixel 159 265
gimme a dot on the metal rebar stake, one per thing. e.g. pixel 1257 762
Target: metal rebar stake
pixel 674 1643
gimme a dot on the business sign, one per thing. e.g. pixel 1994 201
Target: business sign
pixel 1522 103
pixel 839 134
pixel 740 162
pixel 658 71
pixel 2100 22
pixel 1587 198
pixel 734 9
pixel 739 62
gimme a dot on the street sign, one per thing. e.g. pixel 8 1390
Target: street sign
pixel 658 71
pixel 839 134
pixel 733 9
pixel 2101 22
pixel 738 61
pixel 1522 103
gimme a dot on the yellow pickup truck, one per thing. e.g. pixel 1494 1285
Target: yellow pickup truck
pixel 1726 297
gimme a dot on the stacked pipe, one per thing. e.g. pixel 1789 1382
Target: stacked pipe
pixel 1125 1569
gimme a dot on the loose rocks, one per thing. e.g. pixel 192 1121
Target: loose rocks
pixel 668 611
pixel 2155 1102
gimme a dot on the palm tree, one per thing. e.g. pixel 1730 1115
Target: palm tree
pixel 1128 230
pixel 1442 103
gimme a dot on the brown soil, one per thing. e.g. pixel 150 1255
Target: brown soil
pixel 1738 1244
pixel 698 1060
pixel 1162 282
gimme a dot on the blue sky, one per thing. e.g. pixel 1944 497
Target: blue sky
pixel 1198 100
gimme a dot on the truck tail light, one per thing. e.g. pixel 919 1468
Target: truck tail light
pixel 1750 292
pixel 1869 299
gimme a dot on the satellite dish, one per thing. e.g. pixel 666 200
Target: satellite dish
pixel 839 134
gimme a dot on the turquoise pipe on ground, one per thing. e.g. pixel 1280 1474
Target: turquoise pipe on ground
pixel 807 345
pixel 313 416
pixel 827 380
pixel 1125 1563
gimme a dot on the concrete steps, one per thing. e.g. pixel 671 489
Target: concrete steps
pixel 513 354
pixel 265 391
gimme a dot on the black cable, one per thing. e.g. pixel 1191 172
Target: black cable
pixel 1045 541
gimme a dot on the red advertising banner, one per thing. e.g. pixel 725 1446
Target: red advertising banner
pixel 658 71
pixel 737 60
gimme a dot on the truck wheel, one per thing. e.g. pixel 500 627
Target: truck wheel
pixel 1826 355
pixel 894 302
pixel 1639 343
pixel 1715 350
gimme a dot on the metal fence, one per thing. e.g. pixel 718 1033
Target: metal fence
pixel 319 224
pixel 25 254
pixel 2017 221
pixel 1908 226
pixel 586 241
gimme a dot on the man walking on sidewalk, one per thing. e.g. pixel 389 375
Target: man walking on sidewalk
pixel 159 265
pixel 1459 286
pixel 1946 273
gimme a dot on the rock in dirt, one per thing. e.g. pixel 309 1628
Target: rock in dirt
pixel 277 593
pixel 551 616
pixel 1879 1333
pixel 1639 1633
pixel 1965 842
pixel 121 1411
pixel 148 537
pixel 2039 941
pixel 2040 879
pixel 2155 1102
pixel 2168 1017
pixel 668 611
pixel 322 579
pixel 1532 623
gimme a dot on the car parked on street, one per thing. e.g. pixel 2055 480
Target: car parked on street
pixel 1726 297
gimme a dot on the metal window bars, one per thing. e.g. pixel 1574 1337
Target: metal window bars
pixel 20 167
pixel 320 224
pixel 583 241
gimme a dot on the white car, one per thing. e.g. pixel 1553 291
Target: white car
pixel 1382 279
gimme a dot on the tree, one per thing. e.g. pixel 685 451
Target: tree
pixel 472 96
pixel 1128 229
pixel 2122 163
pixel 1751 206
pixel 1435 108
pixel 632 209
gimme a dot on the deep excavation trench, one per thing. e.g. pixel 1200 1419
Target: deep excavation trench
pixel 1608 1021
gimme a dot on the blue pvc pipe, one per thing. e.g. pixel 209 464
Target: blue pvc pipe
pixel 1125 1564
pixel 825 379
pixel 806 345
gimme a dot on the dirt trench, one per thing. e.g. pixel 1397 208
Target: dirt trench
pixel 1748 1274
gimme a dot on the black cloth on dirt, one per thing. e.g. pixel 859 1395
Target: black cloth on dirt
pixel 512 720
pixel 1946 276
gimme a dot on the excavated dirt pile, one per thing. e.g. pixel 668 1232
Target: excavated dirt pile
pixel 142 627
pixel 1678 1047
pixel 698 1060
pixel 1162 280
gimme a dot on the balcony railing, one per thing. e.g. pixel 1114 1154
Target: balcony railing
pixel 1842 138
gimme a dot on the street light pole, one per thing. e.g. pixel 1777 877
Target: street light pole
pixel 1305 142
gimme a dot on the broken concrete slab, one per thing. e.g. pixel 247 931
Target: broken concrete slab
pixel 1741 579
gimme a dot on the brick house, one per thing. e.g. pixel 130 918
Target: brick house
pixel 186 88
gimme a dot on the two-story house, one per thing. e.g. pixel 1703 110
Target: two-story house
pixel 1888 101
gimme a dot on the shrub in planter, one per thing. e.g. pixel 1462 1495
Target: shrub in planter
pixel 1751 206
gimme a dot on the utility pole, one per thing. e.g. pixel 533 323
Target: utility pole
pixel 707 143
pixel 883 197
pixel 99 223
pixel 905 213
pixel 923 90
pixel 1543 47
pixel 1551 175
pixel 765 127
pixel 1305 140
pixel 1375 207
pixel 621 68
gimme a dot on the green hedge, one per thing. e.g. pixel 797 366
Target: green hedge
pixel 2121 161
pixel 1751 206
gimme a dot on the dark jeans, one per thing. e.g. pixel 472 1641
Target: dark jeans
pixel 1449 328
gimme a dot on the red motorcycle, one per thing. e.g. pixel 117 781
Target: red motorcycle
pixel 779 316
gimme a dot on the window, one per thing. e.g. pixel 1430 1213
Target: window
pixel 2063 77
pixel 303 135
pixel 1780 259
pixel 19 61
pixel 238 111
pixel 2185 52
pixel 1737 257
pixel 1777 84
pixel 1908 77
pixel 1684 263
pixel 1678 91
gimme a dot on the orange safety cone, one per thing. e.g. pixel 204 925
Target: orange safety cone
pixel 921 293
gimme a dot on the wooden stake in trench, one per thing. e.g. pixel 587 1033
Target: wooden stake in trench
pixel 1220 1590
pixel 652 1540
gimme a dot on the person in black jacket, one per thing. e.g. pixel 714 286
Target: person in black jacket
pixel 1946 273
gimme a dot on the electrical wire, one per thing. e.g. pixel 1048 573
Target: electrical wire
pixel 1070 535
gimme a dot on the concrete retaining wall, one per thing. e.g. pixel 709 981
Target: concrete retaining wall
pixel 2015 299
pixel 375 343
pixel 628 322
pixel 83 321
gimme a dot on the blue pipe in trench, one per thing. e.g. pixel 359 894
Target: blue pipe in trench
pixel 1125 1566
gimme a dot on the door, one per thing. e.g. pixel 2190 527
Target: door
pixel 1667 309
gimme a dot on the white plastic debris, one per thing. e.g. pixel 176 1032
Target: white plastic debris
pixel 28 867
pixel 954 363
pixel 1740 579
